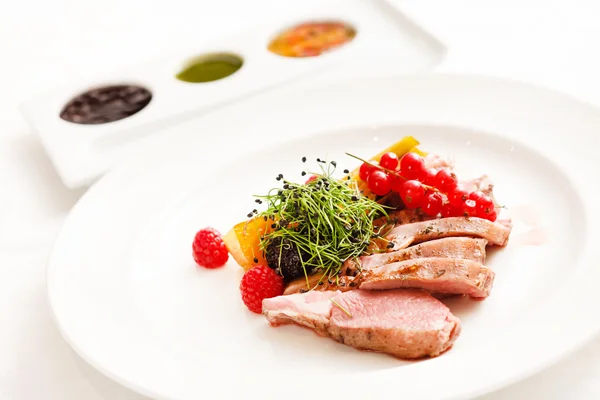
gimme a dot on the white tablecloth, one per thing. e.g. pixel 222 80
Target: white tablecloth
pixel 44 43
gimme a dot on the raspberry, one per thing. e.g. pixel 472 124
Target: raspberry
pixel 259 283
pixel 209 249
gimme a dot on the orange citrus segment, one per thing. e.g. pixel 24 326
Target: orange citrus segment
pixel 243 242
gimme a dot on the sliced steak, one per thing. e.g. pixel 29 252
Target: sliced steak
pixel 404 235
pixel 436 275
pixel 405 323
pixel 453 247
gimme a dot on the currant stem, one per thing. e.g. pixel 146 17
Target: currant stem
pixel 379 167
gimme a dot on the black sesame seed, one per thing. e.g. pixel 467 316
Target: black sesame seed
pixel 303 173
pixel 265 217
pixel 346 171
pixel 390 245
pixel 354 198
pixel 321 282
pixel 249 215
pixel 352 284
pixel 286 186
pixel 318 160
pixel 342 284
pixel 259 201
pixel 280 192
pixel 273 226
pixel 334 163
pixel 255 260
pixel 302 290
pixel 278 178
pixel 255 211
pixel 303 159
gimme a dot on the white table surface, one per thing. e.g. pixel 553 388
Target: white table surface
pixel 45 43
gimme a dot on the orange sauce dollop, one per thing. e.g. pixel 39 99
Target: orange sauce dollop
pixel 312 39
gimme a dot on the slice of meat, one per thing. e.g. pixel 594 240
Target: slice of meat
pixel 405 323
pixel 311 309
pixel 453 247
pixel 436 275
pixel 404 235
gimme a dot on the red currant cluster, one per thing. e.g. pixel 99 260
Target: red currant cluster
pixel 434 191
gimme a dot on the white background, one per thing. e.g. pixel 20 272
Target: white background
pixel 48 42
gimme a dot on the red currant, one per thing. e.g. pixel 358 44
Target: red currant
pixel 379 183
pixel 493 216
pixel 485 207
pixel 457 196
pixel 389 161
pixel 476 195
pixel 445 180
pixel 411 165
pixel 366 169
pixel 432 204
pixel 470 208
pixel 448 210
pixel 396 183
pixel 427 176
pixel 412 193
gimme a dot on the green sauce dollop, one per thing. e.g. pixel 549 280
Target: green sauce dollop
pixel 210 68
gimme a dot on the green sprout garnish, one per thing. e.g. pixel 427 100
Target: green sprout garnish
pixel 327 219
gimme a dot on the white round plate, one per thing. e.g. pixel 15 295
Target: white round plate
pixel 127 296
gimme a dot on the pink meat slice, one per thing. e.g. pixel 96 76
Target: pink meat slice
pixel 453 247
pixel 436 275
pixel 404 235
pixel 405 323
